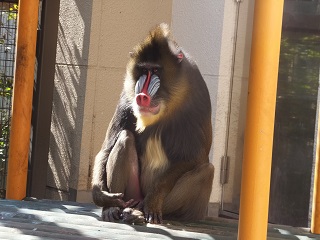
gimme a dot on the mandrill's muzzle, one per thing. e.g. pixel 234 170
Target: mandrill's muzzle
pixel 146 87
pixel 143 100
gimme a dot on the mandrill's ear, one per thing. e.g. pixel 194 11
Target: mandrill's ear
pixel 180 57
pixel 176 50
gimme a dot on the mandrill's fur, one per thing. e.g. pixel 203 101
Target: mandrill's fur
pixel 156 153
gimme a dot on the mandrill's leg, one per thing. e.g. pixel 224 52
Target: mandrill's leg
pixel 122 172
pixel 189 198
pixel 123 168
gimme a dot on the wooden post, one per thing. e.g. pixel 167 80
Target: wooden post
pixel 22 99
pixel 256 167
pixel 315 219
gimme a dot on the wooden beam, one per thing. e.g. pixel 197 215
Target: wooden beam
pixel 257 159
pixel 315 217
pixel 22 99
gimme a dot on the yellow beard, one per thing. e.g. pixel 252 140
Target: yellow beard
pixel 146 120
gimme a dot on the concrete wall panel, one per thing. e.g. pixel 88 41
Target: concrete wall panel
pixel 94 41
pixel 198 29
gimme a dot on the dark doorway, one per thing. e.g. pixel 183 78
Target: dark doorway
pixel 42 97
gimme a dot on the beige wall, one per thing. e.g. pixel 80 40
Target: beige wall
pixel 239 103
pixel 95 38
pixel 69 96
pixel 198 28
pixel 207 31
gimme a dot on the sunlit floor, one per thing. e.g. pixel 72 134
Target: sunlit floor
pixel 69 220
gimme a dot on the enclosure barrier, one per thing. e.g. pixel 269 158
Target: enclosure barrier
pixel 257 159
pixel 315 218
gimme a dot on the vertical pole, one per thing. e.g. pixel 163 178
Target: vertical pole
pixel 315 218
pixel 22 99
pixel 257 159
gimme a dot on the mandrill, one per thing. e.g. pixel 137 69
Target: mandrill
pixel 154 164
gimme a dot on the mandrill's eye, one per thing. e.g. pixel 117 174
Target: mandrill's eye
pixel 157 70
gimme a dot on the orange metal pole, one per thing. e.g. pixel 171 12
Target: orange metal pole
pixel 22 99
pixel 315 219
pixel 257 159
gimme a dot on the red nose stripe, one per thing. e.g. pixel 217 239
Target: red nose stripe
pixel 146 84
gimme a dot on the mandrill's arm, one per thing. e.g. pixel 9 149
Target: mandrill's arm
pixel 100 192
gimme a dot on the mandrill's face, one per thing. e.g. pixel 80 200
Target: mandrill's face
pixel 147 100
pixel 148 103
pixel 153 78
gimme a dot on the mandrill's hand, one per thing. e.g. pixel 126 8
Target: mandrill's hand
pixel 152 209
pixel 117 198
pixel 112 200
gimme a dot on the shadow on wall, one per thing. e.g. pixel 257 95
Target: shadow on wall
pixel 68 99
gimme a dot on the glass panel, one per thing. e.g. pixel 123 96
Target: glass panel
pixel 298 84
pixel 295 115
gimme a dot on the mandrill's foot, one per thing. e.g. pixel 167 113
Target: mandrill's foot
pixel 111 214
pixel 127 215
pixel 132 216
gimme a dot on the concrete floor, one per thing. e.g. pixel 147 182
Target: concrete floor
pixel 46 219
